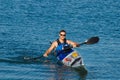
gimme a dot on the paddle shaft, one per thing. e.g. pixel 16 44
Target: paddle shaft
pixel 91 40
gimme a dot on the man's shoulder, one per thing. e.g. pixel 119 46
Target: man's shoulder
pixel 68 41
pixel 54 42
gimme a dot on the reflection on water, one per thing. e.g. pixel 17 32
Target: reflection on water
pixel 82 72
pixel 62 72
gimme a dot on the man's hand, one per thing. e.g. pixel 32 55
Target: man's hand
pixel 78 45
pixel 45 55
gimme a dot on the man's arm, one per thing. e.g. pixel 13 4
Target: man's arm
pixel 49 50
pixel 74 44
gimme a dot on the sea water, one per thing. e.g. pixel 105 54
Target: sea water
pixel 28 26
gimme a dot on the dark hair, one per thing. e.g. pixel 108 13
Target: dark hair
pixel 62 31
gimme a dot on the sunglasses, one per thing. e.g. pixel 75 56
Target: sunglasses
pixel 62 35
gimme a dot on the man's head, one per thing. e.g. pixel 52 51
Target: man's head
pixel 62 34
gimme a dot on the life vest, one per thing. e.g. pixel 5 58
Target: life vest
pixel 62 50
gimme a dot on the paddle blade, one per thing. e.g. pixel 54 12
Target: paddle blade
pixel 92 40
pixel 37 57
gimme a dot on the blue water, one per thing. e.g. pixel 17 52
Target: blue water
pixel 27 26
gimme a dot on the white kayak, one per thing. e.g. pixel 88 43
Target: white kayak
pixel 73 59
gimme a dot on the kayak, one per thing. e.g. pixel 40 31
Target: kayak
pixel 73 59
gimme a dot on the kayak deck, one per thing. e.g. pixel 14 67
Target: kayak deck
pixel 73 59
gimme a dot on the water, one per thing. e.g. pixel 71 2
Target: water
pixel 27 26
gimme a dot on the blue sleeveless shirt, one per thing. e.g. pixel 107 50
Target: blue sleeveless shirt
pixel 60 50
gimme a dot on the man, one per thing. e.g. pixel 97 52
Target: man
pixel 60 44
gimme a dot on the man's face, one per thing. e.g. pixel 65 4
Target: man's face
pixel 62 35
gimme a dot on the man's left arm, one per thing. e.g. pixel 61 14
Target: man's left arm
pixel 74 44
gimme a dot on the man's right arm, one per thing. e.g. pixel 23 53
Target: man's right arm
pixel 49 50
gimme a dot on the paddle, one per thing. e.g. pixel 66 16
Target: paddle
pixel 37 57
pixel 91 40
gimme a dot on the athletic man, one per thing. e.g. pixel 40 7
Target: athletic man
pixel 60 45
